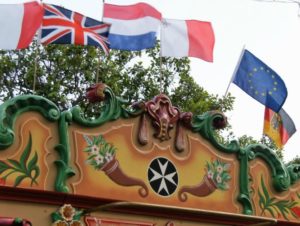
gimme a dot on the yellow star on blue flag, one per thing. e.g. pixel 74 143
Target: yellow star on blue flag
pixel 260 82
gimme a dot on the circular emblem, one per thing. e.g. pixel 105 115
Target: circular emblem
pixel 162 176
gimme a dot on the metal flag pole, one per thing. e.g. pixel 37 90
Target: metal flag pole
pixel 98 50
pixel 98 65
pixel 160 60
pixel 35 68
pixel 103 3
pixel 235 70
pixel 36 56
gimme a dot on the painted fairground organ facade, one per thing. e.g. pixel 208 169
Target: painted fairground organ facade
pixel 142 164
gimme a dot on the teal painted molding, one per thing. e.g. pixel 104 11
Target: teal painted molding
pixel 244 196
pixel 112 109
pixel 11 109
pixel 294 172
pixel 280 175
pixel 205 125
pixel 64 171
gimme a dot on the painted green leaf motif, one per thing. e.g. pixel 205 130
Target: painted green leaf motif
pixel 25 154
pixel 32 162
pixel 270 211
pixel 16 164
pixel 265 191
pixel 24 168
pixel 19 179
pixel 272 205
pixel 3 167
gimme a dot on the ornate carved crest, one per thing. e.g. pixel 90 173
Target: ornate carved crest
pixel 164 115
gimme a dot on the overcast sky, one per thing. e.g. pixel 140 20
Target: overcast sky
pixel 269 30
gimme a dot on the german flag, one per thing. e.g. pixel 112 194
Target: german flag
pixel 278 126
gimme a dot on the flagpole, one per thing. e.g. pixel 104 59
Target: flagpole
pixel 99 51
pixel 36 57
pixel 98 65
pixel 103 3
pixel 235 70
pixel 35 68
pixel 160 59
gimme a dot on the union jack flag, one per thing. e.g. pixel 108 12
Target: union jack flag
pixel 62 26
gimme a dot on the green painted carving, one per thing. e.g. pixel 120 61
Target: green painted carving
pixel 272 205
pixel 280 176
pixel 244 196
pixel 206 124
pixel 64 171
pixel 12 108
pixel 294 172
pixel 24 168
pixel 113 108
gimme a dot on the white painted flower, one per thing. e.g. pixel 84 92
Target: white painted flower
pixel 99 159
pixel 210 174
pixel 220 169
pixel 108 156
pixel 219 179
pixel 94 149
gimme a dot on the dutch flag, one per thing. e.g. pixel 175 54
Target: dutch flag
pixel 133 27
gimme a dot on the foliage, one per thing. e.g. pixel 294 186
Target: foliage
pixel 100 152
pixel 218 172
pixel 272 205
pixel 24 167
pixel 295 160
pixel 64 72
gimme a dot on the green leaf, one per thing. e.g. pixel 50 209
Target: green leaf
pixel 16 165
pixel 271 201
pixel 270 211
pixel 26 153
pixel 265 191
pixel 19 179
pixel 3 166
pixel 35 169
pixel 262 199
pixel 56 216
pixel 293 214
pixel 88 140
pixel 284 214
pixel 32 162
pixel 78 215
pixel 261 204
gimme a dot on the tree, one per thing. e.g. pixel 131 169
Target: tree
pixel 64 72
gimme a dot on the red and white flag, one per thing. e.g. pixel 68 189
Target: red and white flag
pixel 181 38
pixel 18 24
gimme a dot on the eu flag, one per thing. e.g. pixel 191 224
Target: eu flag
pixel 259 81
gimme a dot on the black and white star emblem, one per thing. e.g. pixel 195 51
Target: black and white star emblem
pixel 162 176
